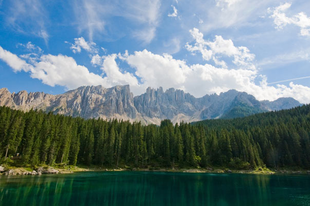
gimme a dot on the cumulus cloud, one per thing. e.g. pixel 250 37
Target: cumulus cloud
pixel 113 73
pixel 281 19
pixel 158 70
pixel 13 61
pixel 53 70
pixel 64 71
pixel 80 43
pixel 219 48
pixel 96 60
pixel 155 70
pixel 163 70
pixel 175 12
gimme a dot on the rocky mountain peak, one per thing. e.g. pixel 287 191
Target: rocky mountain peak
pixel 4 90
pixel 151 107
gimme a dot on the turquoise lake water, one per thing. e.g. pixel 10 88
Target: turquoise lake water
pixel 155 188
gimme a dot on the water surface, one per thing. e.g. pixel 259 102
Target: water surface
pixel 155 188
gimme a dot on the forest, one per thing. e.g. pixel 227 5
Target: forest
pixel 274 139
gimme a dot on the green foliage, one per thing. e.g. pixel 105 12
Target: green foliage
pixel 275 139
pixel 237 163
pixel 241 111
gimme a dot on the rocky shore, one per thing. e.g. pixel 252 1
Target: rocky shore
pixel 51 170
pixel 24 171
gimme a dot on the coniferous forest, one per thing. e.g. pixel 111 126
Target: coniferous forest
pixel 274 139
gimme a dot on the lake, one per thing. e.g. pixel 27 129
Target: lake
pixel 155 188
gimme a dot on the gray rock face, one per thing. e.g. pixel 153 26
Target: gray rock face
pixel 86 102
pixel 151 107
pixel 157 104
pixel 281 103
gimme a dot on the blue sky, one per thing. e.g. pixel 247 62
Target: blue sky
pixel 203 47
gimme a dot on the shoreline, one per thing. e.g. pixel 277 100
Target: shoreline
pixel 22 171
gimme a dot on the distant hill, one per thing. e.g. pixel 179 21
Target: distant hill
pixel 266 119
pixel 149 108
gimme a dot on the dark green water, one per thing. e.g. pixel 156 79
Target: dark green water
pixel 154 188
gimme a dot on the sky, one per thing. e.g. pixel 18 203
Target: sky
pixel 261 47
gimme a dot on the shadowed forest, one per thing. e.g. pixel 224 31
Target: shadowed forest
pixel 274 139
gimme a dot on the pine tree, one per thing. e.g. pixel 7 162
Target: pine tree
pixel 110 143
pixel 29 135
pixel 179 145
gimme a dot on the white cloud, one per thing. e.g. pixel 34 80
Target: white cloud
pixel 224 14
pixel 219 48
pixel 53 70
pixel 163 70
pixel 144 12
pixel 90 16
pixel 160 70
pixel 80 43
pixel 13 61
pixel 104 50
pixel 226 3
pixel 96 60
pixel 64 71
pixel 175 12
pixel 290 80
pixel 31 47
pixel 145 35
pixel 113 73
pixel 141 11
pixel 285 58
pixel 281 20
pixel 173 45
pixel 305 32
pixel 28 16
pixel 93 16
pixel 209 79
pixel 44 35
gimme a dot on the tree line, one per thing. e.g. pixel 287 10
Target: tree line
pixel 276 139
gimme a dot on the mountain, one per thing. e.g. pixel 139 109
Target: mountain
pixel 151 107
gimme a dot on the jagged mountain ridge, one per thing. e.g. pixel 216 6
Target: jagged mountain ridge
pixel 151 107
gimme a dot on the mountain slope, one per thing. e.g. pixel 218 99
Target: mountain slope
pixel 151 107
